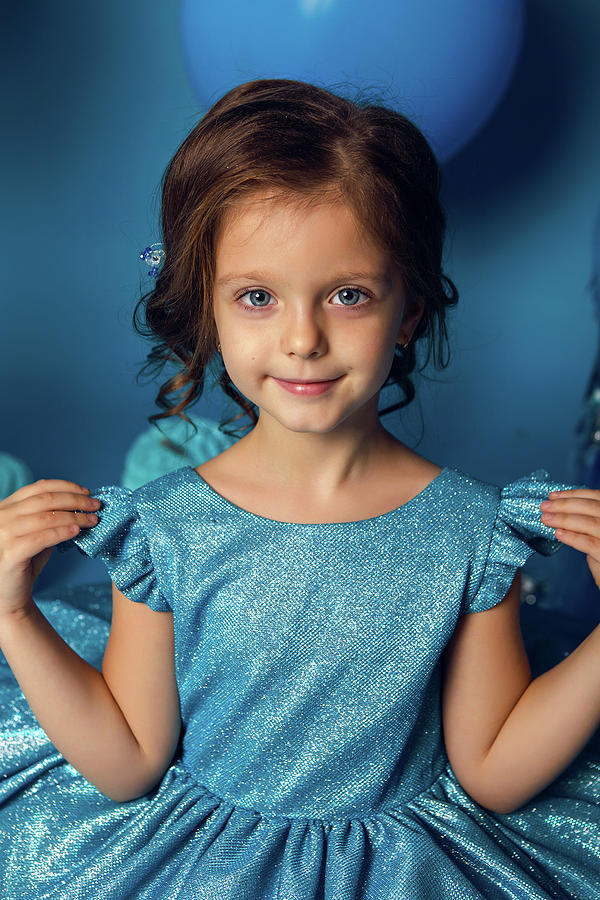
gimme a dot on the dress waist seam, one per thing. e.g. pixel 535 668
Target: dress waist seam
pixel 390 809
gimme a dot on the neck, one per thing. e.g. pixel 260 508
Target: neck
pixel 320 465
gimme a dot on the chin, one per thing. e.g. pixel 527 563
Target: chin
pixel 307 423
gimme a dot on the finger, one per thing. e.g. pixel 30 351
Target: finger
pixel 589 525
pixel 26 546
pixel 48 519
pixel 585 543
pixel 53 484
pixel 50 500
pixel 575 492
pixel 581 505
pixel 41 486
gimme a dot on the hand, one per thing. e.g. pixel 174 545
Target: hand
pixel 575 514
pixel 32 521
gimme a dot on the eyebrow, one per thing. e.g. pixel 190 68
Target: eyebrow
pixel 377 277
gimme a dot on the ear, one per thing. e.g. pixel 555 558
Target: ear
pixel 411 319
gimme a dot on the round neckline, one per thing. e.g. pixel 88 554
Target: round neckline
pixel 392 513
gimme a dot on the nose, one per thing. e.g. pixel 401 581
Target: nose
pixel 303 333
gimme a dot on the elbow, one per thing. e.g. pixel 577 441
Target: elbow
pixel 491 804
pixel 496 785
pixel 127 796
pixel 495 800
pixel 125 793
pixel 505 805
pixel 148 779
pixel 499 808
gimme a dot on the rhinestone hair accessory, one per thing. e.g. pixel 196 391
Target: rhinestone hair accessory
pixel 153 256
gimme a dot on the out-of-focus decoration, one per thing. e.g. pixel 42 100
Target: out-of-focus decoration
pixel 549 634
pixel 14 474
pixel 153 453
pixel 153 256
pixel 444 65
pixel 584 463
pixel 560 609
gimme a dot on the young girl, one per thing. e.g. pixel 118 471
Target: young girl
pixel 315 684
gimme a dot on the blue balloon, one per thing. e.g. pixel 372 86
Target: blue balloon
pixel 443 64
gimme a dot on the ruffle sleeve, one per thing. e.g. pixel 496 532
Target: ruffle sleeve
pixel 517 533
pixel 120 541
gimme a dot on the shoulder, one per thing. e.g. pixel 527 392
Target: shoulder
pixel 472 499
pixel 473 507
pixel 164 488
pixel 478 497
pixel 420 471
pixel 165 504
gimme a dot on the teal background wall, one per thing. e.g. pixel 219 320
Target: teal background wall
pixel 95 108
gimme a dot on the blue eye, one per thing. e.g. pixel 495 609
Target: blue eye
pixel 253 292
pixel 349 290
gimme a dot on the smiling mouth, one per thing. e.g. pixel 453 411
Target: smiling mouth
pixel 315 381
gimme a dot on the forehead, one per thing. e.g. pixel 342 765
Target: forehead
pixel 267 222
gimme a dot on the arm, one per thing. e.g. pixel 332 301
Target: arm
pixel 549 726
pixel 74 705
pixel 507 736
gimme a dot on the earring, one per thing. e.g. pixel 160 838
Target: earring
pixel 218 347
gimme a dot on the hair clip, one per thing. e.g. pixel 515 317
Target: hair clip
pixel 153 256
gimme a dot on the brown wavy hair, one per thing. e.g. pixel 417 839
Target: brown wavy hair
pixel 311 146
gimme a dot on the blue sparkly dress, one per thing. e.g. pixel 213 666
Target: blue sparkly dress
pixel 311 762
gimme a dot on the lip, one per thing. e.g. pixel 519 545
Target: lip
pixel 306 388
pixel 307 381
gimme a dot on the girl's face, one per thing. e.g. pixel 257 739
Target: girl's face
pixel 300 295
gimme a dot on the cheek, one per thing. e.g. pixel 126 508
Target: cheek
pixel 379 356
pixel 242 359
pixel 251 345
pixel 368 345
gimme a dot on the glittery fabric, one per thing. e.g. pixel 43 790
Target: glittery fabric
pixel 311 762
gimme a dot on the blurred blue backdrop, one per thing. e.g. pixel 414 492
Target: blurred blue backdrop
pixel 94 109
pixel 445 64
